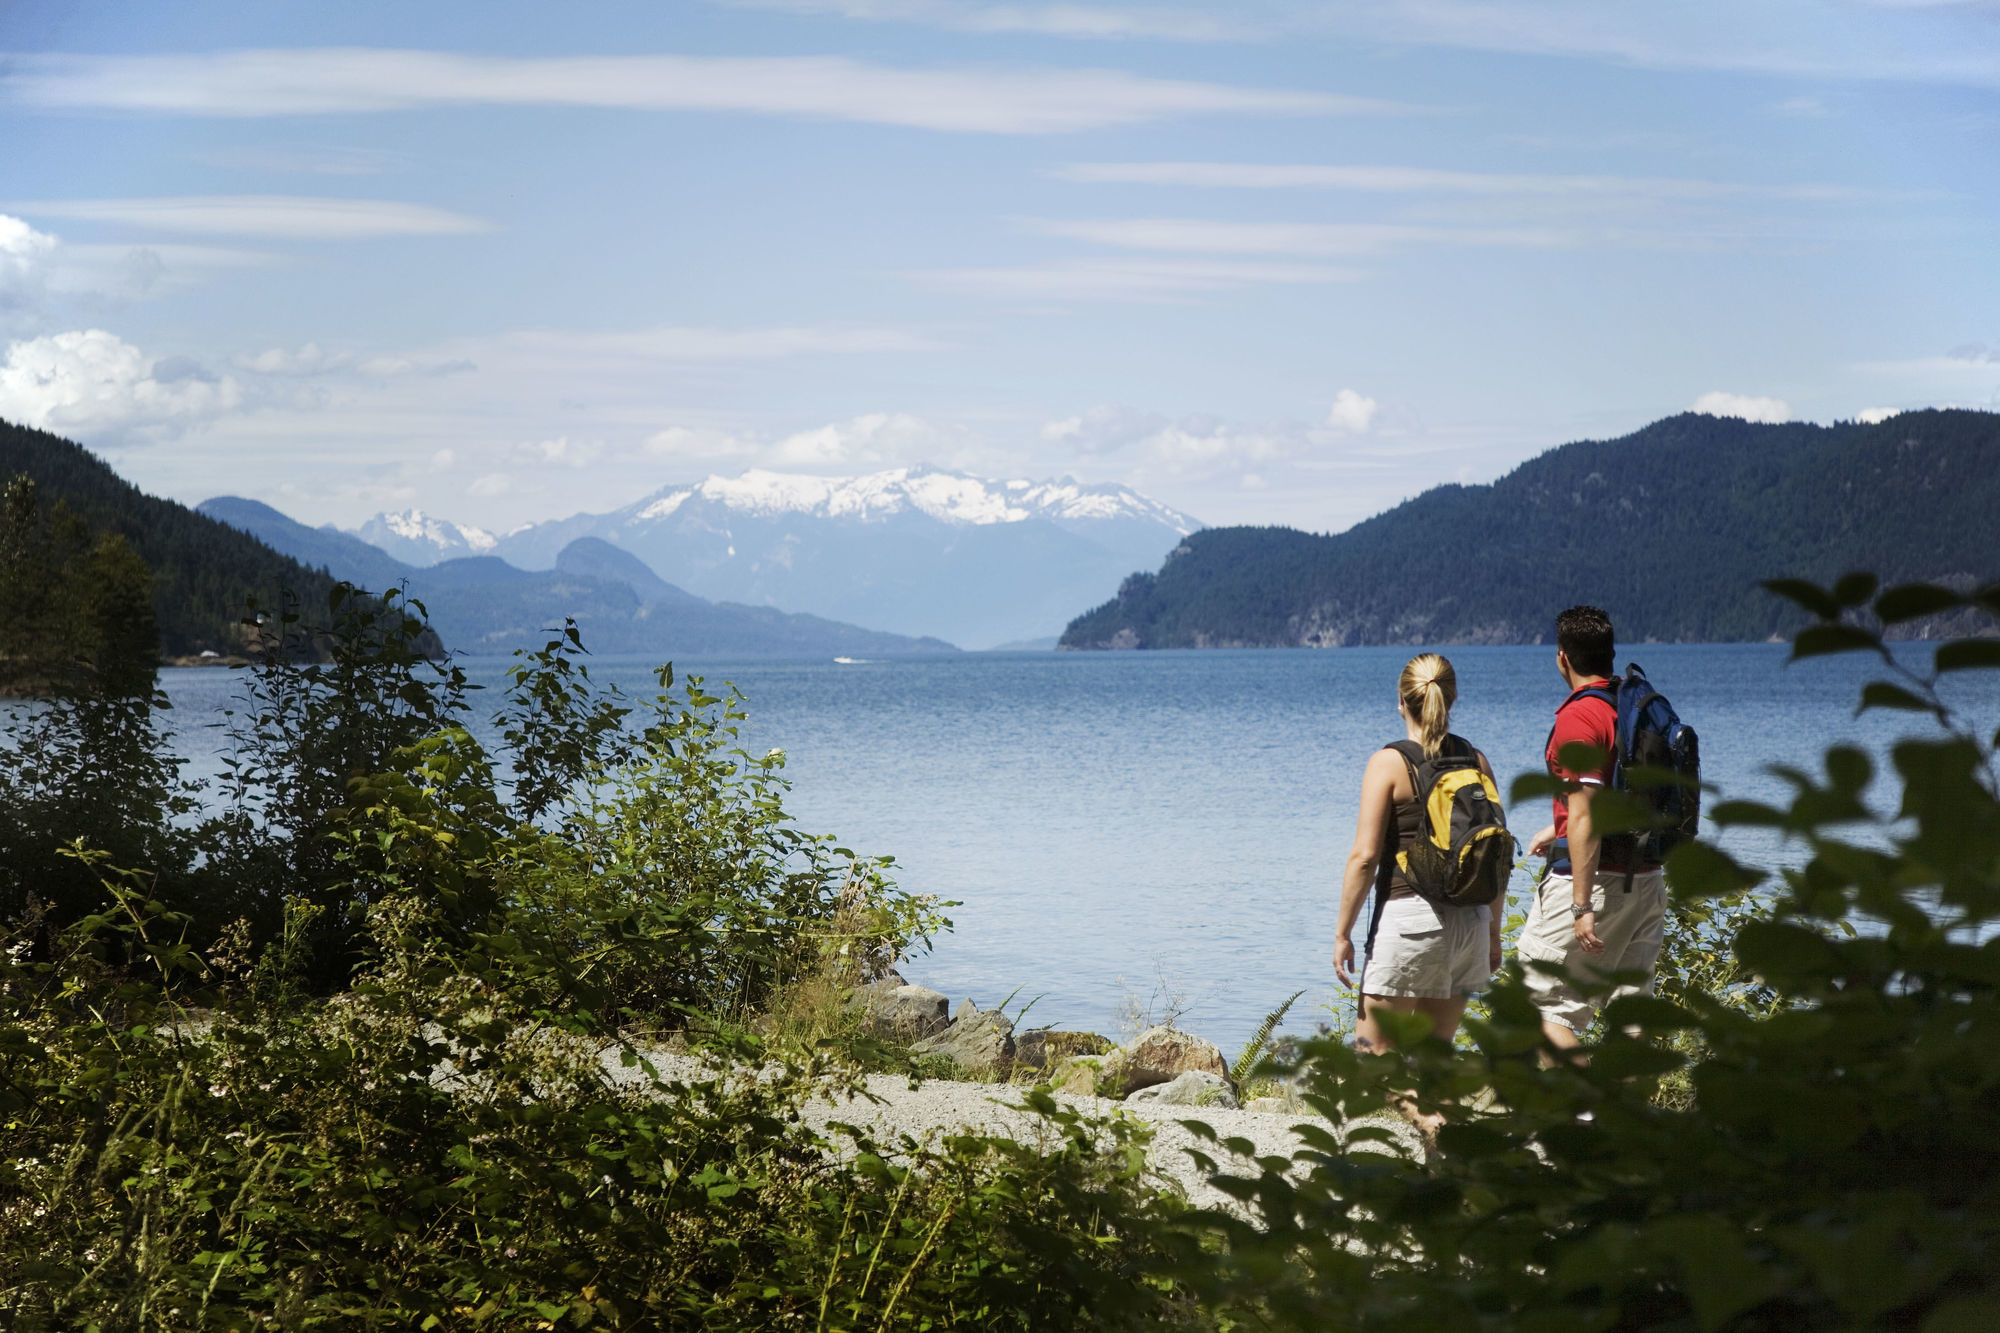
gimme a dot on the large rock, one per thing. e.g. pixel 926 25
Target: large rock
pixel 894 1010
pixel 1194 1088
pixel 1043 1049
pixel 1158 1055
pixel 979 1041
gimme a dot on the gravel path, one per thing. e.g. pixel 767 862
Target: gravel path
pixel 937 1107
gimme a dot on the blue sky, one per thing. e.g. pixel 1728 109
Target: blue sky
pixel 1269 262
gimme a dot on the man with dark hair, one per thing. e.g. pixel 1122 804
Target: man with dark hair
pixel 1593 915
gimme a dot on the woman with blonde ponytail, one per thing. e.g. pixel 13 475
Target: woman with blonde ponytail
pixel 1422 957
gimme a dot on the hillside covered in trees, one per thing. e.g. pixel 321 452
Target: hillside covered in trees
pixel 1670 529
pixel 203 572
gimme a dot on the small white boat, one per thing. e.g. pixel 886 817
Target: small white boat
pixel 851 661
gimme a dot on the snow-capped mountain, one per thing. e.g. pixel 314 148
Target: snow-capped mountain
pixel 416 538
pixel 916 550
pixel 949 497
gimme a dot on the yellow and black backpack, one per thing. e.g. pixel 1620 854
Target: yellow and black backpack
pixel 1463 853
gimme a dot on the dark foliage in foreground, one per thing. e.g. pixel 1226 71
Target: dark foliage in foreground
pixel 467 1138
pixel 1669 529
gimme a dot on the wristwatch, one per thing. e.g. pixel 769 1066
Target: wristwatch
pixel 1577 910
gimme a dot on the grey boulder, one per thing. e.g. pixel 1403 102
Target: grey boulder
pixel 892 1009
pixel 1158 1055
pixel 979 1041
pixel 1044 1049
pixel 1194 1088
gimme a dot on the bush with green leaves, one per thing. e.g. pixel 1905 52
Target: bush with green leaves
pixel 1836 1161
pixel 463 1142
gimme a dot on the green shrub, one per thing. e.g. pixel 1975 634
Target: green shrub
pixel 1836 1160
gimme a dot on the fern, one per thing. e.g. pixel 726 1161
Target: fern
pixel 1248 1060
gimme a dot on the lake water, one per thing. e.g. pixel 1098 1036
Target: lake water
pixel 1120 826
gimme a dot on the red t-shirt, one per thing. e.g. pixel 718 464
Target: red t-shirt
pixel 1587 720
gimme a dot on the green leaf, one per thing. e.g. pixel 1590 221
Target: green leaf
pixel 1821 640
pixel 1849 768
pixel 1635 1059
pixel 1881 694
pixel 1809 595
pixel 1717 1270
pixel 1910 600
pixel 1697 870
pixel 1968 654
pixel 1854 589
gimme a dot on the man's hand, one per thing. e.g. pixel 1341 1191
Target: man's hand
pixel 1586 933
pixel 1343 961
pixel 1539 844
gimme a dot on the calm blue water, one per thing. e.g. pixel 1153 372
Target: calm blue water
pixel 1118 823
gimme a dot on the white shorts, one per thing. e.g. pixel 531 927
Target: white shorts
pixel 1632 926
pixel 1430 952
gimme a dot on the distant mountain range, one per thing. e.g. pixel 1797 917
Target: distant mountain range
pixel 481 603
pixel 204 573
pixel 920 551
pixel 1670 529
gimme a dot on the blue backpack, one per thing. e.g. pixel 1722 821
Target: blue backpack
pixel 1651 737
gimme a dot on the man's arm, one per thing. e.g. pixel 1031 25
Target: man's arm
pixel 1584 847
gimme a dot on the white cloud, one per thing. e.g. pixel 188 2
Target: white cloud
pixel 1426 180
pixel 24 262
pixel 1945 43
pixel 683 342
pixel 873 437
pixel 561 451
pixel 1200 236
pixel 325 81
pixel 490 485
pixel 1199 444
pixel 1125 279
pixel 1875 416
pixel 290 217
pixel 92 383
pixel 690 443
pixel 1351 413
pixel 1719 404
pixel 307 360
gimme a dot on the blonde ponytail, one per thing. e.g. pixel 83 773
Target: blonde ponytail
pixel 1429 688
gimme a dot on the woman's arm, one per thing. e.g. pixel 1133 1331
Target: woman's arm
pixel 1378 783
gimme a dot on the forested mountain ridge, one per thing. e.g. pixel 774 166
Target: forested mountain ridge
pixel 203 571
pixel 1670 529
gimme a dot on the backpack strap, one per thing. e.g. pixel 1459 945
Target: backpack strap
pixel 1385 863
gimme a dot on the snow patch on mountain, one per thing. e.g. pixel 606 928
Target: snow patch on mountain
pixel 420 539
pixel 950 497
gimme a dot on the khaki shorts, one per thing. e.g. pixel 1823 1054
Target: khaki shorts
pixel 1430 952
pixel 1632 926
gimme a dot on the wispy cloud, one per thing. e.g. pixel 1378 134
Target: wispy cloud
pixel 328 81
pixel 1199 236
pixel 1125 279
pixel 1928 41
pixel 1426 180
pixel 1168 23
pixel 288 217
